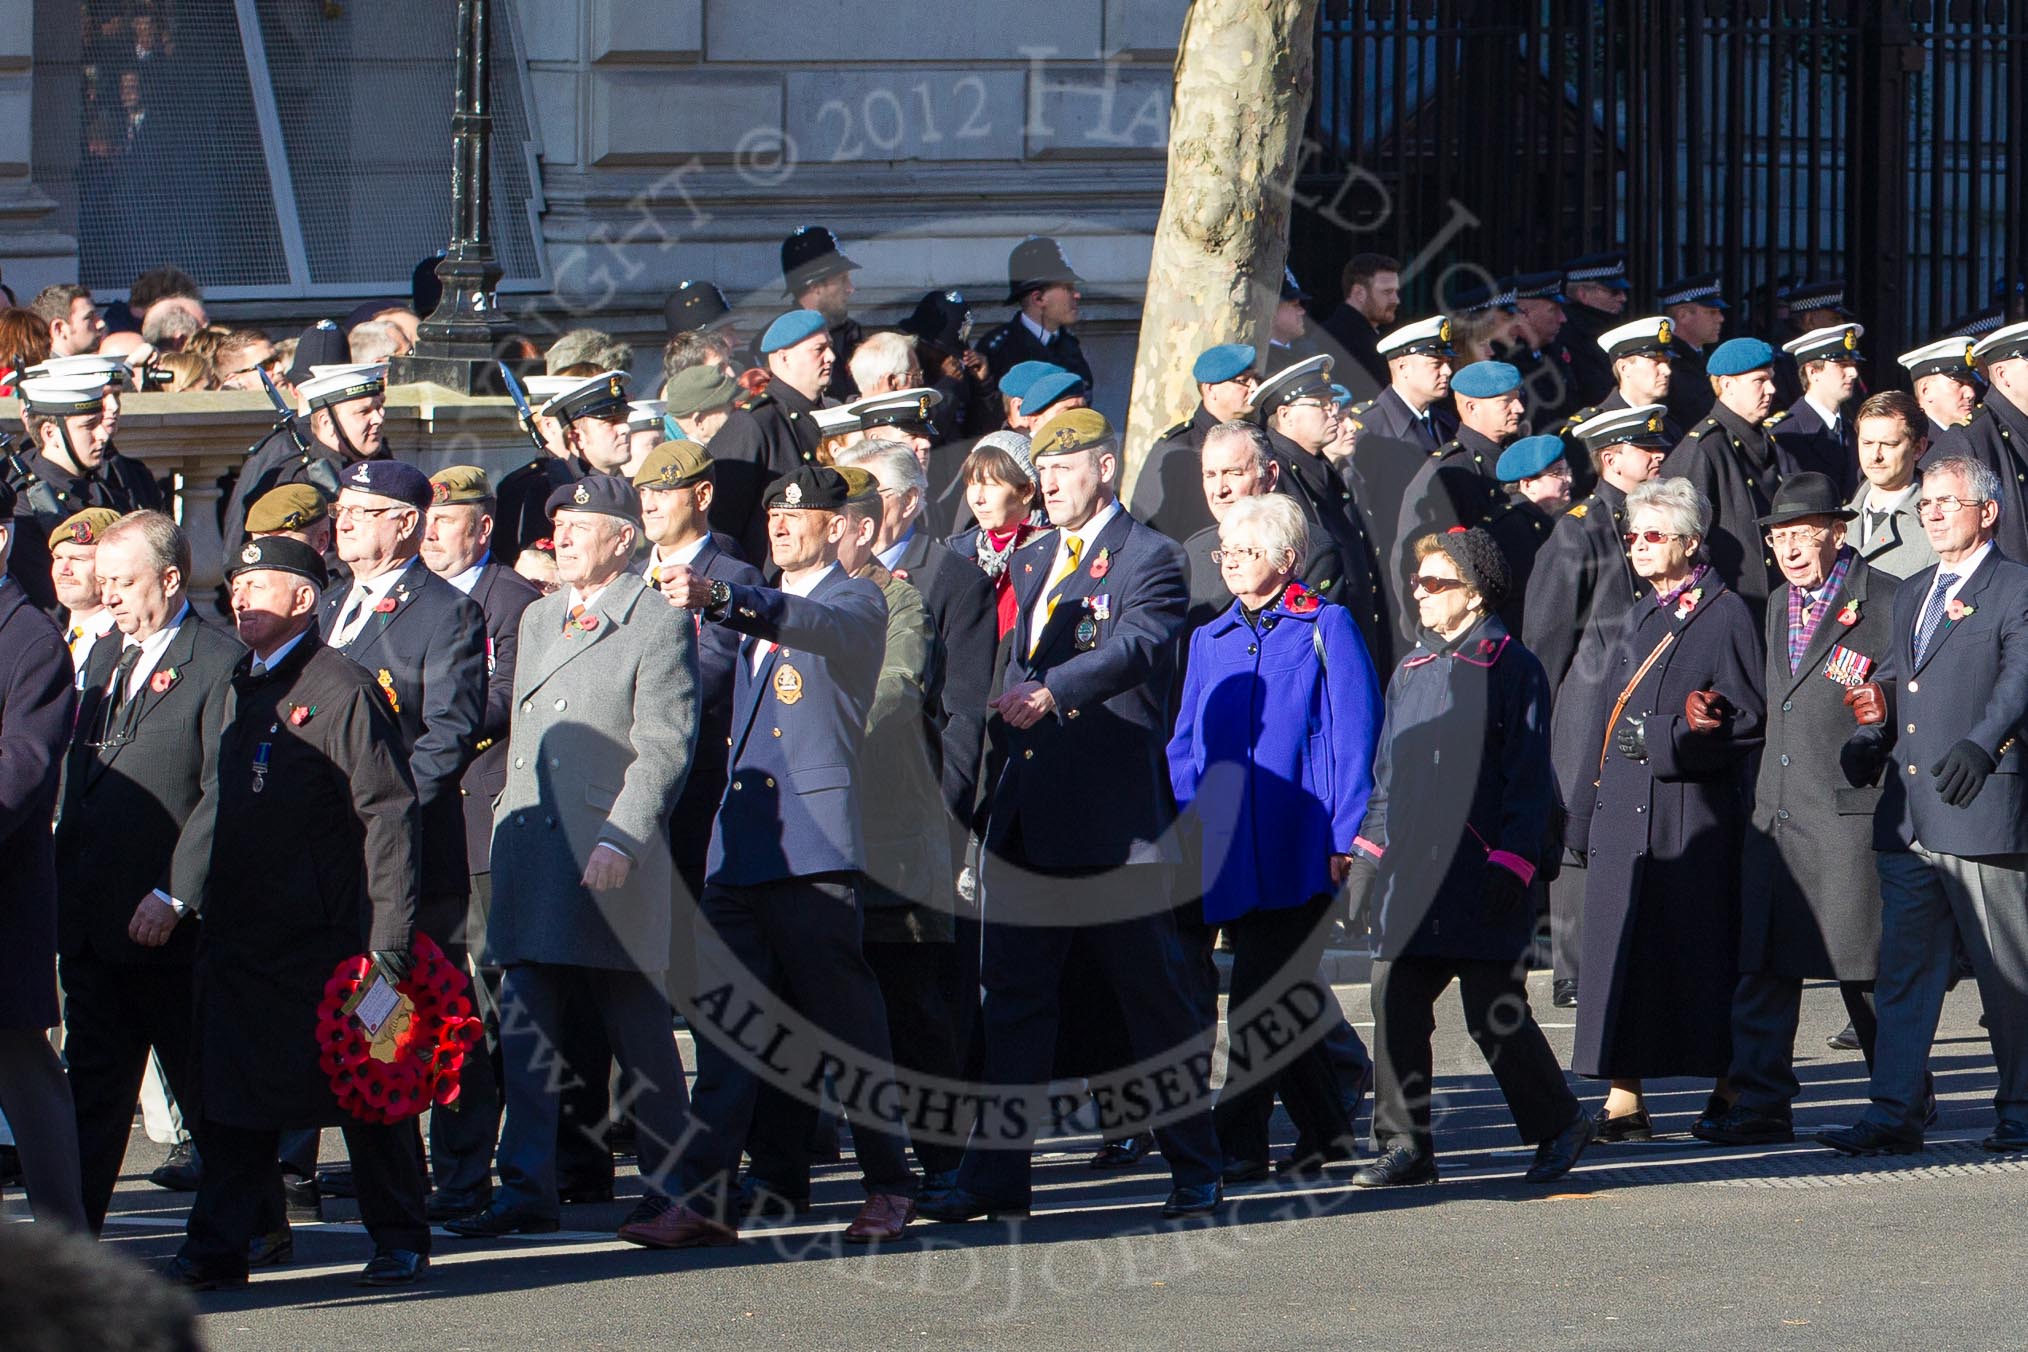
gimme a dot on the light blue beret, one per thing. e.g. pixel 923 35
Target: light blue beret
pixel 791 328
pixel 1227 361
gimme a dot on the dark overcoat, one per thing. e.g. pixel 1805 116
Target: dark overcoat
pixel 310 859
pixel 1661 899
pixel 1169 495
pixel 1998 435
pixel 1735 466
pixel 1809 894
pixel 36 702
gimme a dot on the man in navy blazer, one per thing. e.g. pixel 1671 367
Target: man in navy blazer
pixel 1078 826
pixel 1943 721
pixel 781 892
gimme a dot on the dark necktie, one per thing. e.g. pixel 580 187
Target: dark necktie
pixel 346 621
pixel 1932 614
pixel 116 697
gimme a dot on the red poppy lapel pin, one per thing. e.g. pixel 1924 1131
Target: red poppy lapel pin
pixel 163 679
pixel 1101 565
pixel 1958 610
pixel 299 714
pixel 384 606
pixel 1849 616
pixel 1689 602
pixel 1298 599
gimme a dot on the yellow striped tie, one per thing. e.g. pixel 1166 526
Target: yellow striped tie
pixel 76 633
pixel 1072 547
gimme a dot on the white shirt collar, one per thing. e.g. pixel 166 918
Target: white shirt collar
pixel 682 554
pixel 152 648
pixel 375 588
pixel 469 579
pixel 1963 569
pixel 1829 415
pixel 1091 529
pixel 805 585
pixel 1046 335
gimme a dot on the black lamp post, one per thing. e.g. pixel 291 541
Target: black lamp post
pixel 456 343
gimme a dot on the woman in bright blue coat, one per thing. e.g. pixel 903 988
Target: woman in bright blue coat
pixel 1273 753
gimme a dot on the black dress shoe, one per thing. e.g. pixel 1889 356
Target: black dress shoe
pixel 957 1205
pixel 585 1193
pixel 449 1206
pixel 2010 1135
pixel 1743 1125
pixel 300 1195
pixel 757 1200
pixel 1124 1153
pixel 10 1167
pixel 1633 1126
pixel 1846 1039
pixel 1247 1171
pixel 1193 1199
pixel 935 1181
pixel 336 1181
pixel 1868 1138
pixel 1563 993
pixel 394 1267
pixel 271 1249
pixel 181 1172
pixel 496 1221
pixel 1401 1166
pixel 1308 1160
pixel 1715 1109
pixel 1556 1156
pixel 180 1271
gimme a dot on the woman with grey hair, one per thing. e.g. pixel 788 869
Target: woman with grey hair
pixel 1663 823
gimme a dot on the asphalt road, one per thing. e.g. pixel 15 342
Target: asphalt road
pixel 1670 1244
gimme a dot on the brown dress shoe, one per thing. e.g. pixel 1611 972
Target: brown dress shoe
pixel 884 1216
pixel 678 1227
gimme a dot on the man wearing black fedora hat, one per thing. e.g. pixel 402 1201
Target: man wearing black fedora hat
pixel 1047 292
pixel 1809 894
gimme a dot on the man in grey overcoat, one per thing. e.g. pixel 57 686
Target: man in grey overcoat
pixel 1809 894
pixel 604 725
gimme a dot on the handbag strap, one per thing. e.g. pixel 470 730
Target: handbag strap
pixel 1620 704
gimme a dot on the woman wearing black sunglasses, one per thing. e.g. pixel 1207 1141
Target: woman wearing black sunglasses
pixel 1663 824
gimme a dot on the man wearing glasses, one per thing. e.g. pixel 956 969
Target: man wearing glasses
pixel 1582 587
pixel 1940 732
pixel 1809 893
pixel 1169 495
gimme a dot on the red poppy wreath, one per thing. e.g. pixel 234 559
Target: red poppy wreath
pixel 417 1058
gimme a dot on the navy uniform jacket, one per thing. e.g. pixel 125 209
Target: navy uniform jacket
pixel 791 806
pixel 1737 468
pixel 49 494
pixel 1389 417
pixel 1520 528
pixel 523 497
pixel 1803 442
pixel 138 793
pixel 1356 335
pixel 717 654
pixel 961 604
pixel 1583 476
pixel 1011 344
pixel 431 648
pixel 1690 393
pixel 1546 383
pixel 1088 786
pixel 1998 435
pixel 37 698
pixel 1169 495
pixel 501 595
pixel 757 445
pixel 1591 370
pixel 1326 492
pixel 1458 486
pixel 1972 685
pixel 1578 596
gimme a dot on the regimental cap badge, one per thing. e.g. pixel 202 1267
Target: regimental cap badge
pixel 616 387
pixel 251 554
pixel 1444 329
pixel 362 475
pixel 82 534
pixel 1663 332
pixel 793 494
pixel 1851 340
pixel 441 492
pixel 922 407
pixel 1654 422
pixel 582 495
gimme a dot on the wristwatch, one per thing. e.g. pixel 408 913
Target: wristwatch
pixel 721 599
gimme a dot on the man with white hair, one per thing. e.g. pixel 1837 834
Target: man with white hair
pixel 885 362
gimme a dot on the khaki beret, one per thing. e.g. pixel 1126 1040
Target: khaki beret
pixel 459 484
pixel 672 464
pixel 83 528
pixel 287 507
pixel 1074 429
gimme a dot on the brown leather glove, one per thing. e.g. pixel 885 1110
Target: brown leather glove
pixel 1705 710
pixel 1867 703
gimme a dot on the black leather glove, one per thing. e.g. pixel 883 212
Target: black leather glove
pixel 1632 739
pixel 1504 895
pixel 1962 773
pixel 397 965
pixel 1861 758
pixel 1360 876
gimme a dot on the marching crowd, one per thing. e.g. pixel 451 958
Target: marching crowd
pixel 845 704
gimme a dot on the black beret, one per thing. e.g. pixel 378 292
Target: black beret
pixel 280 554
pixel 601 493
pixel 810 487
pixel 1479 561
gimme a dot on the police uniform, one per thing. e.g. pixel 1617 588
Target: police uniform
pixel 1690 394
pixel 1546 379
pixel 809 256
pixel 942 326
pixel 46 492
pixel 763 442
pixel 1036 262
pixel 1735 466
pixel 696 307
pixel 1169 494
pixel 1591 371
pixel 1998 435
pixel 284 461
pixel 307 738
pixel 1803 441
pixel 1810 304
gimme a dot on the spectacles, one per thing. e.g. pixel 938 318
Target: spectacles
pixel 1434 586
pixel 1653 537
pixel 1946 504
pixel 1238 554
pixel 344 510
pixel 1801 535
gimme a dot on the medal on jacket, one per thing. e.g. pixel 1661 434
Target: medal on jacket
pixel 386 680
pixel 788 684
pixel 260 765
pixel 1846 667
